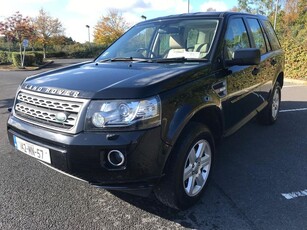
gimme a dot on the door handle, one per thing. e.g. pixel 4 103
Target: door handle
pixel 255 71
pixel 273 62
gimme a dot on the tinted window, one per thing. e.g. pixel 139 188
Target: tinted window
pixel 257 35
pixel 272 36
pixel 236 37
pixel 268 45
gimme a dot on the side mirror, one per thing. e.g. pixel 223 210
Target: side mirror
pixel 248 56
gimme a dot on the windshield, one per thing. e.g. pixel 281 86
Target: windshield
pixel 188 39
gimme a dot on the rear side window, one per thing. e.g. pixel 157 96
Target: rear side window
pixel 257 35
pixel 271 34
pixel 236 38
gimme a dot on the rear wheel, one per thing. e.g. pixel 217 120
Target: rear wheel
pixel 270 113
pixel 188 169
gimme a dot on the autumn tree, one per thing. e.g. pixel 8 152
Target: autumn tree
pixel 47 27
pixel 17 28
pixel 211 9
pixel 234 9
pixel 110 27
pixel 60 42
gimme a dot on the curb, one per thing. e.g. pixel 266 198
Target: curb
pixel 42 66
pixel 37 68
pixel 295 81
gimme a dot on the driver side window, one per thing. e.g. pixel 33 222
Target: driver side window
pixel 236 38
pixel 138 44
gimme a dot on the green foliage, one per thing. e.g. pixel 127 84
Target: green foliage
pixel 56 54
pixel 265 7
pixel 296 59
pixel 291 29
pixel 29 59
pixel 5 57
pixel 293 33
pixel 76 50
pixel 39 57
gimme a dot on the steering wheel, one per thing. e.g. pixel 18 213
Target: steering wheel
pixel 148 51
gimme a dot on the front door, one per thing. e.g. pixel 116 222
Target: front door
pixel 242 81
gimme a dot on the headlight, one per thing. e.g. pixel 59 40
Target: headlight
pixel 128 114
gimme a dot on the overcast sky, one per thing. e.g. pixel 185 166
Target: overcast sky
pixel 75 14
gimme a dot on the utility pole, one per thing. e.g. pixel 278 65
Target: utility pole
pixel 89 37
pixel 275 17
pixel 188 6
pixel 89 34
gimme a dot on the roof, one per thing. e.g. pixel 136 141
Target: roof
pixel 202 14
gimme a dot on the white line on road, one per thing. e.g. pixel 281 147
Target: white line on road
pixel 291 86
pixel 292 110
pixel 293 195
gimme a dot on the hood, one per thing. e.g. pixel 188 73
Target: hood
pixel 111 80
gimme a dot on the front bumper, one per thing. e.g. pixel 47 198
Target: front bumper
pixel 83 155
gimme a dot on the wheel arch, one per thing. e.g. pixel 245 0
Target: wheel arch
pixel 210 116
pixel 280 79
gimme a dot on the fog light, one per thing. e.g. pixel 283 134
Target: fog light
pixel 116 158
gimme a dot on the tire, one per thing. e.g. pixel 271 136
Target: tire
pixel 269 114
pixel 188 169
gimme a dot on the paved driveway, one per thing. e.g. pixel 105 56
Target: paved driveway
pixel 259 182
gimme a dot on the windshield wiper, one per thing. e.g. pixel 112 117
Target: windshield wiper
pixel 123 59
pixel 179 59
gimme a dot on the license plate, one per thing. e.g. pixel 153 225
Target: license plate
pixel 32 150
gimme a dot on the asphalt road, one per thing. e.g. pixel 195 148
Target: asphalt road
pixel 259 181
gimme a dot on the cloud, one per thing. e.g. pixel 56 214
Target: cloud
pixel 131 6
pixel 161 5
pixel 216 5
pixel 10 7
pixel 75 14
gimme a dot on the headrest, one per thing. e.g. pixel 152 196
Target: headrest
pixel 175 42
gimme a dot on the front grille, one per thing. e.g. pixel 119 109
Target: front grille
pixel 43 109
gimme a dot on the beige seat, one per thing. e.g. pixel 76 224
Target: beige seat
pixel 202 44
pixel 176 47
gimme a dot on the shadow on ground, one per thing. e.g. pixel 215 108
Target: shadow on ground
pixel 249 162
pixel 6 103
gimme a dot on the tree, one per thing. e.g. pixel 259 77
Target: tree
pixel 234 9
pixel 110 27
pixel 265 7
pixel 291 30
pixel 17 28
pixel 47 27
pixel 210 9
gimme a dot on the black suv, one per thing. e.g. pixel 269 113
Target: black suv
pixel 146 114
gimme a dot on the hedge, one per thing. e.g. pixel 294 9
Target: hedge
pixel 296 59
pixel 39 57
pixel 59 54
pixel 5 57
pixel 29 59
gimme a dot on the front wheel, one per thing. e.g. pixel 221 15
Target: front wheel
pixel 269 114
pixel 189 168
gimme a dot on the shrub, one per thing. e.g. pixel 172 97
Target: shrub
pixel 29 59
pixel 5 57
pixel 59 54
pixel 39 57
pixel 296 59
